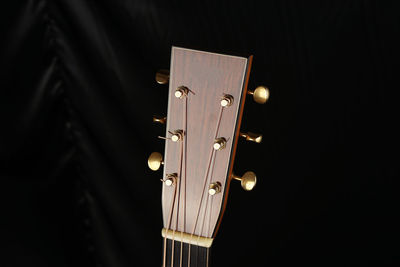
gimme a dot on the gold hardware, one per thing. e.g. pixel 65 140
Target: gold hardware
pixel 248 180
pixel 260 94
pixel 159 119
pixel 253 137
pixel 187 238
pixel 219 143
pixel 162 76
pixel 177 135
pixel 155 160
pixel 181 92
pixel 214 188
pixel 226 100
pixel 170 179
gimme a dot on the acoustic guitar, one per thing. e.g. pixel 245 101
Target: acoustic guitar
pixel 207 92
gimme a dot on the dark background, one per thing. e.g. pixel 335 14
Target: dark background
pixel 77 97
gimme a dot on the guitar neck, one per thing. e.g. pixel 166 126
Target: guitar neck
pixel 181 254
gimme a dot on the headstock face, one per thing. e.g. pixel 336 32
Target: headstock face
pixel 187 205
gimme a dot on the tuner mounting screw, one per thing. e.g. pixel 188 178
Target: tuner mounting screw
pixel 214 188
pixel 219 143
pixel 181 92
pixel 226 100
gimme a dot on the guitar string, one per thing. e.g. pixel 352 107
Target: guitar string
pixel 205 181
pixel 206 205
pixel 207 201
pixel 168 226
pixel 177 196
pixel 179 185
pixel 209 226
pixel 199 209
pixel 184 179
pixel 209 222
pixel 177 206
pixel 170 219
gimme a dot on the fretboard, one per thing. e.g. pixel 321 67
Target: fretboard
pixel 181 252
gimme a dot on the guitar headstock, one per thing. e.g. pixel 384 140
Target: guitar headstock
pixel 207 92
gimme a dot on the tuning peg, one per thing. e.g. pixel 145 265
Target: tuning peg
pixel 248 180
pixel 155 160
pixel 159 119
pixel 253 137
pixel 214 188
pixel 162 76
pixel 260 94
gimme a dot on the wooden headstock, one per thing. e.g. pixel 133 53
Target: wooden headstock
pixel 206 98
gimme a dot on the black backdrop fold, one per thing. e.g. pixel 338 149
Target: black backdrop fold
pixel 77 96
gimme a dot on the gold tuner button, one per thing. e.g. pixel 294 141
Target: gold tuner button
pixel 248 180
pixel 159 119
pixel 155 160
pixel 170 179
pixel 260 94
pixel 219 143
pixel 214 188
pixel 181 92
pixel 226 100
pixel 253 137
pixel 162 76
pixel 177 135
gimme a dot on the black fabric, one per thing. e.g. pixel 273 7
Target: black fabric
pixel 78 93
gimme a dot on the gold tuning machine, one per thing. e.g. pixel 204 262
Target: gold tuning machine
pixel 162 76
pixel 248 180
pixel 159 119
pixel 253 137
pixel 155 161
pixel 260 94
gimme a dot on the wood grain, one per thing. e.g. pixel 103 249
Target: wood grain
pixel 208 76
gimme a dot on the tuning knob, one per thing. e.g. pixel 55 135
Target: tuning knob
pixel 162 76
pixel 253 137
pixel 159 119
pixel 248 180
pixel 155 160
pixel 260 94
